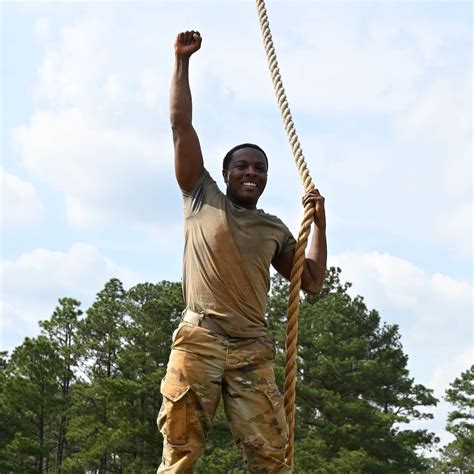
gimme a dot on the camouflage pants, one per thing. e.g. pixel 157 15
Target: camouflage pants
pixel 204 366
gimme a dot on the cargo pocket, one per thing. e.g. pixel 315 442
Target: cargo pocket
pixel 180 335
pixel 175 333
pixel 172 418
pixel 276 418
pixel 274 397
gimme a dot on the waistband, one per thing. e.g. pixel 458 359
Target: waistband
pixel 202 320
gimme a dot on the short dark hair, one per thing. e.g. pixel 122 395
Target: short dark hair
pixel 228 156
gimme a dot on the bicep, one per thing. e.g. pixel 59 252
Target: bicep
pixel 188 161
pixel 283 263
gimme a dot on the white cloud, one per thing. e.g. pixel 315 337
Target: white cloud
pixel 33 282
pixel 457 169
pixel 456 228
pixel 82 213
pixel 335 64
pixel 98 168
pixel 21 205
pixel 42 28
pixel 16 324
pixel 432 310
pixel 442 376
pixel 113 87
pixel 151 88
pixel 80 269
pixel 77 66
pixel 438 125
pixel 434 313
pixel 440 112
pixel 90 139
pixel 357 64
pixel 446 373
pixel 100 63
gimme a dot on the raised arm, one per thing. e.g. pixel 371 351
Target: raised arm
pixel 316 257
pixel 187 150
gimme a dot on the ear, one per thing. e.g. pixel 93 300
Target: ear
pixel 225 174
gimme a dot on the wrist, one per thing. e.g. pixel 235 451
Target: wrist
pixel 182 58
pixel 321 226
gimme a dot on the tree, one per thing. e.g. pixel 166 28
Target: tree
pixel 153 312
pixel 61 329
pixel 353 389
pixel 29 400
pixel 8 420
pixel 459 454
pixel 125 343
pixel 100 342
pixel 84 396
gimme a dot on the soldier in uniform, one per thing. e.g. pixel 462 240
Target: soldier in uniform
pixel 220 349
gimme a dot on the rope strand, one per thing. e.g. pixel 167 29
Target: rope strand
pixel 298 260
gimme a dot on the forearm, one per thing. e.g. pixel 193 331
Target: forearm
pixel 180 95
pixel 316 260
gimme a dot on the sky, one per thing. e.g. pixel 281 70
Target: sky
pixel 381 96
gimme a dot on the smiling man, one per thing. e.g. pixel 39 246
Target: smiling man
pixel 220 349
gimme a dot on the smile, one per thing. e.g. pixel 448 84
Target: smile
pixel 249 184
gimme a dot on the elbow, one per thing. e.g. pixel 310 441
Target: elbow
pixel 314 289
pixel 315 284
pixel 312 279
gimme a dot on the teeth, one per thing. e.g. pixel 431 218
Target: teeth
pixel 252 185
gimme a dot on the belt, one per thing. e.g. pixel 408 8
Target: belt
pixel 202 320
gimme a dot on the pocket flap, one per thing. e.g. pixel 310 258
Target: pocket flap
pixel 274 396
pixel 173 390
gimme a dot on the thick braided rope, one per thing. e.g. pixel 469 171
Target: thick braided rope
pixel 297 269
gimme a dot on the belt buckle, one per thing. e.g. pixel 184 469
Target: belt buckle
pixel 201 319
pixel 194 317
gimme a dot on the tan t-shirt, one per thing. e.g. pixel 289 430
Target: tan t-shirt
pixel 228 250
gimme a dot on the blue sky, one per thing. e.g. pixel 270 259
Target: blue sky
pixel 381 96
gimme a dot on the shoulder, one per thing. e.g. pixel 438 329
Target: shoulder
pixel 205 191
pixel 270 218
pixel 203 181
pixel 273 221
pixel 279 230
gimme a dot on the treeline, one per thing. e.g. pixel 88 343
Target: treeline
pixel 84 395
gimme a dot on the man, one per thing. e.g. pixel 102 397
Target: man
pixel 221 348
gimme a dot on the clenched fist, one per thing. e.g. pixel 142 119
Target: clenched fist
pixel 314 197
pixel 187 43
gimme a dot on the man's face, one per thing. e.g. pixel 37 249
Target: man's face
pixel 246 177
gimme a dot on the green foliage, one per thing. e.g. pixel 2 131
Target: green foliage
pixel 61 329
pixel 29 399
pixel 353 390
pixel 459 454
pixel 125 344
pixel 84 395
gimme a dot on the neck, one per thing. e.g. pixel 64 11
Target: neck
pixel 247 205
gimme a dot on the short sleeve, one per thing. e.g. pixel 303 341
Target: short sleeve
pixel 288 244
pixel 194 199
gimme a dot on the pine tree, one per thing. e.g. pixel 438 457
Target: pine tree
pixel 459 454
pixel 84 396
pixel 354 389
pixel 30 400
pixel 61 329
pixel 92 423
pixel 154 311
